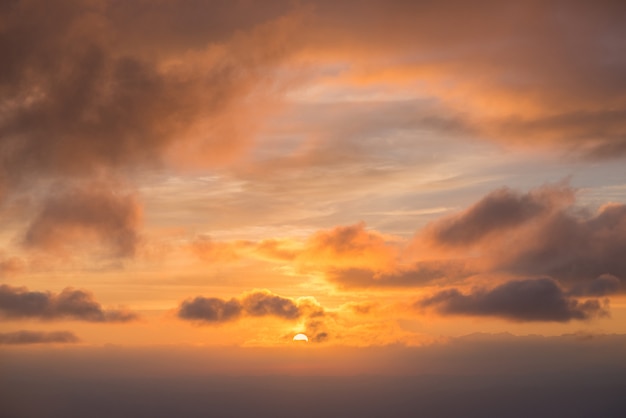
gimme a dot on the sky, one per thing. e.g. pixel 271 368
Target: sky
pixel 416 186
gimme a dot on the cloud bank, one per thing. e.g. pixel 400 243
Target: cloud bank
pixel 37 337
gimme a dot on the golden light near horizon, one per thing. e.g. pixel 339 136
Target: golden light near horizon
pixel 301 337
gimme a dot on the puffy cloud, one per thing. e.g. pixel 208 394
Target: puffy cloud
pixel 518 300
pixel 499 212
pixel 76 215
pixel 539 233
pixel 262 303
pixel 255 303
pixel 571 245
pixel 37 337
pixel 210 309
pixel 20 303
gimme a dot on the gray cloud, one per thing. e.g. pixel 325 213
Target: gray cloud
pixel 519 300
pixel 601 286
pixel 573 245
pixel 539 233
pixel 20 303
pixel 37 337
pixel 498 212
pixel 210 309
pixel 265 303
pixel 256 303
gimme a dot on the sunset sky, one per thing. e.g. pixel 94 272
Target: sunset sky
pixel 411 184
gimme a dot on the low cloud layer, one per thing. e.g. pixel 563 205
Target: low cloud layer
pixel 518 300
pixel 256 303
pixel 37 337
pixel 20 303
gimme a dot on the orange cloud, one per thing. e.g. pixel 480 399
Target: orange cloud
pixel 347 246
pixel 82 214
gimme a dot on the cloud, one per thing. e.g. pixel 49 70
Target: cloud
pixel 262 303
pixel 572 245
pixel 255 303
pixel 518 300
pixel 85 87
pixel 417 274
pixel 10 266
pixel 77 215
pixel 539 233
pixel 210 309
pixel 37 337
pixel 530 75
pixel 20 303
pixel 499 212
pixel 601 286
pixel 350 245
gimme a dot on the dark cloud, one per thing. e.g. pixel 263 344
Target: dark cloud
pixel 263 303
pixel 573 245
pixel 518 300
pixel 20 303
pixel 539 233
pixel 76 215
pixel 37 337
pixel 210 309
pixel 498 212
pixel 601 286
pixel 256 303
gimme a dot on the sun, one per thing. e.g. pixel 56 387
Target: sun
pixel 301 337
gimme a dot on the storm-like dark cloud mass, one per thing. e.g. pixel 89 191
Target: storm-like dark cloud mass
pixel 519 300
pixel 37 337
pixel 256 303
pixel 20 303
pixel 95 212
